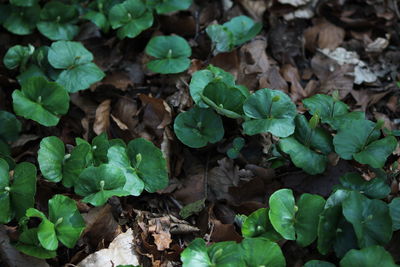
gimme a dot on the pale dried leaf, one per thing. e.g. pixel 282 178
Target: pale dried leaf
pixel 120 252
pixel 323 35
pixel 102 119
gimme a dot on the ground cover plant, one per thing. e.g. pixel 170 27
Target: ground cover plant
pixel 199 133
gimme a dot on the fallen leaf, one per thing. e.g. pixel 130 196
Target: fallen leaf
pixel 102 118
pixel 323 35
pixel 120 252
pixel 159 229
pixel 294 2
pixel 118 79
pixel 291 74
pixel 255 8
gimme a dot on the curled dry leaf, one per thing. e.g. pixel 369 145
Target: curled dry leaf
pixel 323 35
pixel 291 74
pixel 120 252
pixel 102 119
pixel 157 113
pixel 294 2
pixel 255 8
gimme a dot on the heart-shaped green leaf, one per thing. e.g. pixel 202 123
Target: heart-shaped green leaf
pixel 18 56
pixel 225 254
pixel 68 222
pixel 41 101
pixel 282 213
pixel 261 252
pixel 270 111
pixel 25 3
pixel 222 38
pixel 168 6
pixel 10 126
pixel 370 218
pixel 118 156
pixel 198 126
pixel 149 163
pixel 307 218
pixel 329 220
pixel 22 20
pixel 317 263
pixel 243 29
pixel 257 224
pixel 98 18
pixel 196 254
pixel 51 157
pixel 326 107
pixel 98 184
pixel 375 188
pixel 78 72
pixel 46 230
pixel 368 257
pixel 171 54
pixel 57 21
pixel 225 100
pixel 358 139
pixel 394 209
pixel 18 196
pixel 5 154
pixel 28 243
pixel 201 78
pixel 131 17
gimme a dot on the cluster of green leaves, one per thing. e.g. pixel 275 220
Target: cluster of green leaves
pixel 104 168
pixel 353 222
pixel 233 33
pixel 307 142
pixel 64 224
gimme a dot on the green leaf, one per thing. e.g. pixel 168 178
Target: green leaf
pixel 25 3
pixel 394 209
pixel 375 188
pixel 201 78
pixel 131 17
pixel 340 121
pixel 261 252
pixel 257 224
pixel 222 38
pixel 192 208
pixel 307 218
pixel 7 214
pixel 23 188
pixel 98 184
pixel 41 101
pixel 168 6
pixel 99 19
pixel 17 56
pixel 358 139
pixel 74 164
pixel 370 218
pixel 5 154
pixel 75 60
pixel 345 238
pixel 198 126
pixel 329 220
pixel 29 244
pixel 32 71
pixel 50 157
pixel 326 107
pixel 225 100
pixel 22 20
pixel 46 231
pixel 10 126
pixel 303 157
pixel 225 254
pixel 149 163
pixel 196 254
pixel 243 29
pixel 282 213
pixel 317 263
pixel 118 156
pixel 368 257
pixel 237 145
pixel 56 21
pixel 171 54
pixel 68 222
pixel 275 117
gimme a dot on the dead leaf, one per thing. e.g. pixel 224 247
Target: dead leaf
pixel 273 80
pixel 291 74
pixel 120 252
pixel 159 229
pixel 294 2
pixel 11 257
pixel 118 79
pixel 255 8
pixel 157 113
pixel 102 119
pixel 323 35
pixel 228 62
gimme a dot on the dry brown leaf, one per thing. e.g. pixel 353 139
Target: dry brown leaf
pixel 85 104
pixel 294 2
pixel 159 229
pixel 102 119
pixel 291 74
pixel 323 35
pixel 120 252
pixel 228 62
pixel 255 8
pixel 157 113
pixel 119 80
pixel 273 80
pixel 393 103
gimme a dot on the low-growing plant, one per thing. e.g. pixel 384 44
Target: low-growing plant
pixel 57 21
pixel 97 13
pixel 17 192
pixel 237 145
pixel 168 6
pixel 18 57
pixel 233 33
pixel 64 224
pixel 75 61
pixel 21 18
pixel 9 131
pixel 41 101
pixel 171 54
